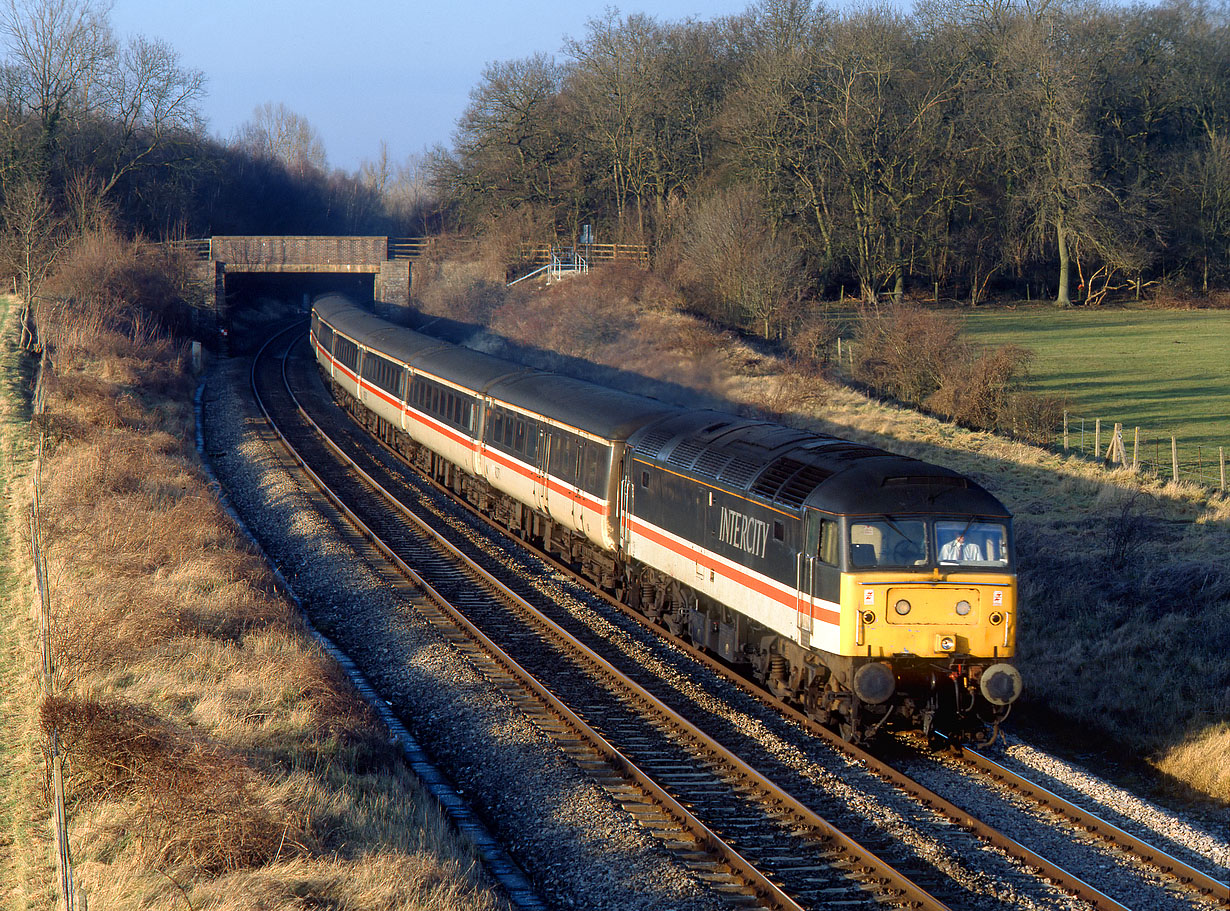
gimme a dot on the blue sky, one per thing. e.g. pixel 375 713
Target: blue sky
pixel 362 71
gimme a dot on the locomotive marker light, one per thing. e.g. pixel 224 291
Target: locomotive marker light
pixel 963 608
pixel 902 607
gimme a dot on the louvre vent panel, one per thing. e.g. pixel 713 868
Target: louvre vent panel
pixel 685 453
pixel 711 463
pixel 740 471
pixel 800 486
pixel 775 476
pixel 651 444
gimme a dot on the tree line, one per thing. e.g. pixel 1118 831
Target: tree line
pixel 1071 149
pixel 103 133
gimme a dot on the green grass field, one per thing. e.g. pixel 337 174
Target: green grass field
pixel 1166 371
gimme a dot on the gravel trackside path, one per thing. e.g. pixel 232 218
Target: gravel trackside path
pixel 578 847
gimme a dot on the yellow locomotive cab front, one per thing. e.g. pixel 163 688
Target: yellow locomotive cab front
pixel 891 613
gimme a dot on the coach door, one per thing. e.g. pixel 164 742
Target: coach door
pixel 625 513
pixel 540 474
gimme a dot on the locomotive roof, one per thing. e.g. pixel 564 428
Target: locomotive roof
pixel 796 468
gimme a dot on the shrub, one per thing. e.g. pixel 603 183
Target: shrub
pixel 198 803
pixel 905 351
pixel 814 336
pixel 977 392
pixel 141 288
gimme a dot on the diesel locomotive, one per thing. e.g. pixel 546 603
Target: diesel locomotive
pixel 865 587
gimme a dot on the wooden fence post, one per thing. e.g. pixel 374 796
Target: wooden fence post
pixel 1097 438
pixel 1221 457
pixel 1136 451
pixel 1116 453
pixel 1174 459
pixel 1065 431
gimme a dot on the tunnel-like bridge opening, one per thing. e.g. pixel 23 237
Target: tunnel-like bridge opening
pixel 248 273
pixel 245 290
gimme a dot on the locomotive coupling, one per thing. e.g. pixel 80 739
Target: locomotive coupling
pixel 1000 684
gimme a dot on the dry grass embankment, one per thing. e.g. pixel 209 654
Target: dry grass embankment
pixel 216 756
pixel 1125 579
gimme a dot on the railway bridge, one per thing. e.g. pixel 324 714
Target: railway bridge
pixel 241 268
pixel 379 264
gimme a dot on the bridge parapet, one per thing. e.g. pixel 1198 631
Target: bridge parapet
pixel 293 254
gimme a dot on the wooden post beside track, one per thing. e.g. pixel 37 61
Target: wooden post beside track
pixel 1174 459
pixel 1221 457
pixel 1136 451
pixel 1065 431
pixel 1097 437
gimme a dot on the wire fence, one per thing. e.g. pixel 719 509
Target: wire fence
pixel 64 861
pixel 1164 456
pixel 1112 443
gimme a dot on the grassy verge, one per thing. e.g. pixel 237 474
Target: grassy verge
pixel 27 873
pixel 216 757
pixel 1164 371
pixel 1125 580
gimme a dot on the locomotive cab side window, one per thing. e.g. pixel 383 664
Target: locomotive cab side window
pixel 829 549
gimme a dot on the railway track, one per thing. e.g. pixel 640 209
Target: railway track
pixel 724 820
pixel 736 827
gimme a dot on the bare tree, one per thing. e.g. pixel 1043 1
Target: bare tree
pixel 34 236
pixel 277 133
pixel 511 140
pixel 410 197
pixel 377 173
pixel 150 101
pixel 754 271
pixel 57 49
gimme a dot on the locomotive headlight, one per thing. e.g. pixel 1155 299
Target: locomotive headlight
pixel 963 608
pixel 944 643
pixel 902 607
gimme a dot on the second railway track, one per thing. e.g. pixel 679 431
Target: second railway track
pixel 912 835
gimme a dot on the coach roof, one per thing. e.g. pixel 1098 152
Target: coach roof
pixel 604 412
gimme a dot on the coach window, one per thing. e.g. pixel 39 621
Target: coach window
pixel 519 439
pixel 830 543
